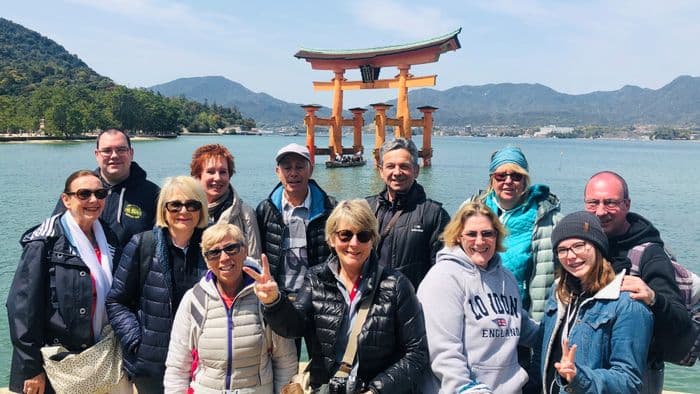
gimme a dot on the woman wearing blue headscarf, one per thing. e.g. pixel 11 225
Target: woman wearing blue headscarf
pixel 529 213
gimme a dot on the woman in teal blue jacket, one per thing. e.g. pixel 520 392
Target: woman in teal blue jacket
pixel 595 337
pixel 529 213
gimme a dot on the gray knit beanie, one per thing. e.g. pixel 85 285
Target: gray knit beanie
pixel 583 225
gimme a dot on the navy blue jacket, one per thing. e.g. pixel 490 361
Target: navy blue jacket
pixel 142 313
pixel 50 299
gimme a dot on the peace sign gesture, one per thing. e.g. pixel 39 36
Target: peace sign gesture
pixel 265 287
pixel 566 366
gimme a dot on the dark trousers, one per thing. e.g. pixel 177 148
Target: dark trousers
pixel 148 385
pixel 653 380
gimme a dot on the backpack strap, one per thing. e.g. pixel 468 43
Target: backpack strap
pixel 635 256
pixel 198 311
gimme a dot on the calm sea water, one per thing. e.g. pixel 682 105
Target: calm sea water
pixel 662 177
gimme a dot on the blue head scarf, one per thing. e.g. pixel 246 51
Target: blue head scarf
pixel 509 154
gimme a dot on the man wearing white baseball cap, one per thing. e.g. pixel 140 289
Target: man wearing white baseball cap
pixel 292 220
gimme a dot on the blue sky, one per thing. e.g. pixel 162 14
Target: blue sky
pixel 571 46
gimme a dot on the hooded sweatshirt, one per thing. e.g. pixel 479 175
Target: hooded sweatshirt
pixel 671 319
pixel 474 322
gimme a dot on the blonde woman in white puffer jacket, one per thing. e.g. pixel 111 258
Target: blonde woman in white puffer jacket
pixel 219 341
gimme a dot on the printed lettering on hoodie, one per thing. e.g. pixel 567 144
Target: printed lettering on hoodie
pixel 494 305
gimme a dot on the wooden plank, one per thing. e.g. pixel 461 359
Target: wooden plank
pixel 415 82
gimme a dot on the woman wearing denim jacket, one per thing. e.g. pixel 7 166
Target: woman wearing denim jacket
pixel 595 337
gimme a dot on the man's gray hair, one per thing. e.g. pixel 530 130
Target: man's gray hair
pixel 399 143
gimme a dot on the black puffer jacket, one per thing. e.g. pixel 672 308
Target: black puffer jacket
pixel 392 349
pixel 414 239
pixel 50 300
pixel 141 306
pixel 272 227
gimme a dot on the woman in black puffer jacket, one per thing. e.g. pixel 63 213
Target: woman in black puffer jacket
pixel 392 350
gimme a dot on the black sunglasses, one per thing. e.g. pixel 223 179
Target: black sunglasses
pixel 346 235
pixel 84 194
pixel 190 205
pixel 502 176
pixel 230 249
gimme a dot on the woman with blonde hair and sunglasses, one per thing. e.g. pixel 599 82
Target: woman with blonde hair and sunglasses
pixel 474 319
pixel 58 292
pixel 390 353
pixel 595 336
pixel 220 342
pixel 156 269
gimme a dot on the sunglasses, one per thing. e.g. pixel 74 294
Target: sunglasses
pixel 502 176
pixel 230 250
pixel 176 206
pixel 484 234
pixel 346 236
pixel 84 194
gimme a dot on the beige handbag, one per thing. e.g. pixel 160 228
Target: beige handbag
pixel 96 370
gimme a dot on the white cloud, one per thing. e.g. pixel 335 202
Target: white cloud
pixel 412 21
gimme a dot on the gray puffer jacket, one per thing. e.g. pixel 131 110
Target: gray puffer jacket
pixel 232 344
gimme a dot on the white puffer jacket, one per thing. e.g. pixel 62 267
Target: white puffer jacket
pixel 232 346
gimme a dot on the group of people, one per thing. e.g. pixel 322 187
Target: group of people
pixel 389 294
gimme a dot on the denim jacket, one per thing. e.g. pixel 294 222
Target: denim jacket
pixel 612 333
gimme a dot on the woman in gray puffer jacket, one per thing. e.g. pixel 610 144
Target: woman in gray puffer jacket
pixel 219 342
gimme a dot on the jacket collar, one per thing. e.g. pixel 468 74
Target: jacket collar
pixel 612 290
pixel 371 269
pixel 406 201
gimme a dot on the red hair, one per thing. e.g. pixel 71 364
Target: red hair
pixel 210 151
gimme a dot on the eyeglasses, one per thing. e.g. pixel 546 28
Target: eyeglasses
pixel 484 234
pixel 84 194
pixel 577 249
pixel 230 250
pixel 107 152
pixel 176 206
pixel 608 203
pixel 502 176
pixel 346 235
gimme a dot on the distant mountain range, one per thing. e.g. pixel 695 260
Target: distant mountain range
pixel 676 104
pixel 262 107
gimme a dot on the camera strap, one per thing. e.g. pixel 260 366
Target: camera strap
pixel 351 349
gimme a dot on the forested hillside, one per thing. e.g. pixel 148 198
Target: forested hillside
pixel 39 79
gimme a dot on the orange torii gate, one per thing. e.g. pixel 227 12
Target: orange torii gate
pixel 370 62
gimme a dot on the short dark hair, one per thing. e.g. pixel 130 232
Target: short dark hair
pixel 399 143
pixel 75 175
pixel 625 189
pixel 113 130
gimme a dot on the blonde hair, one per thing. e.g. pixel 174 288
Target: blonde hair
pixel 512 167
pixel 188 186
pixel 218 232
pixel 450 236
pixel 597 277
pixel 357 214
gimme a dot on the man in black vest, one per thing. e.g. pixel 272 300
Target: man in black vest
pixel 607 196
pixel 409 223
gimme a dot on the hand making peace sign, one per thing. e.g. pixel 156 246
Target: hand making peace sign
pixel 566 367
pixel 265 287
